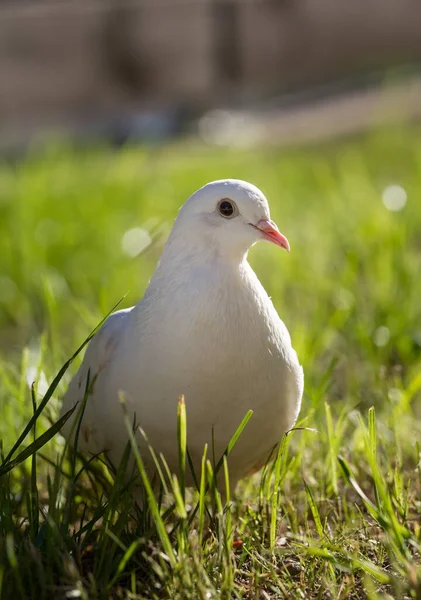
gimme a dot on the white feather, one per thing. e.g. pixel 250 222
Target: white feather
pixel 206 329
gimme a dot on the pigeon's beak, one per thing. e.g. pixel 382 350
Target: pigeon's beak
pixel 271 233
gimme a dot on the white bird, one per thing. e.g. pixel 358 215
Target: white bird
pixel 205 329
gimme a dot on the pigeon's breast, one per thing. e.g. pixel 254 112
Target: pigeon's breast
pixel 222 345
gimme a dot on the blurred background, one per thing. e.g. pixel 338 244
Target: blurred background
pixel 113 112
pixel 286 70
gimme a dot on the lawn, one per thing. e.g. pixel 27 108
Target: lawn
pixel 338 513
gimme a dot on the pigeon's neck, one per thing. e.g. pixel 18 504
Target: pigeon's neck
pixel 195 289
pixel 187 250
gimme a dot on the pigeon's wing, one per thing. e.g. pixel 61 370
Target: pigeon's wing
pixel 90 380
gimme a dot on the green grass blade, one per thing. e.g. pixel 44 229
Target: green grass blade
pixel 314 511
pixel 234 440
pixel 228 520
pixel 129 552
pixel 53 386
pixel 153 506
pixel 179 500
pixel 37 444
pixel 34 519
pixel 228 449
pixel 182 443
pixel 202 495
pixel 332 450
pixel 275 492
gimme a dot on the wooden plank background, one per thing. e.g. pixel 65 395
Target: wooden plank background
pixel 66 61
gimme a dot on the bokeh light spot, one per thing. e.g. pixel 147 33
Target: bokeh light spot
pixel 381 336
pixel 135 240
pixel 394 395
pixel 394 197
pixel 344 299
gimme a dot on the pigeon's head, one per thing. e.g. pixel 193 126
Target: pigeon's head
pixel 231 215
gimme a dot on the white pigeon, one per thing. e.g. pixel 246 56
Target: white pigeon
pixel 205 329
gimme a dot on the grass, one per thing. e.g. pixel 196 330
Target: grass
pixel 337 514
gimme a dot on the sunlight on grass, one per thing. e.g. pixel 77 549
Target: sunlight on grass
pixel 337 512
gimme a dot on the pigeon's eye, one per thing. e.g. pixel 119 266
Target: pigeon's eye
pixel 227 208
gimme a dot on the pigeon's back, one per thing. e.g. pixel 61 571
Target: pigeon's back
pixel 91 382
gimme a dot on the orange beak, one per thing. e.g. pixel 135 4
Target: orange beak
pixel 271 233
